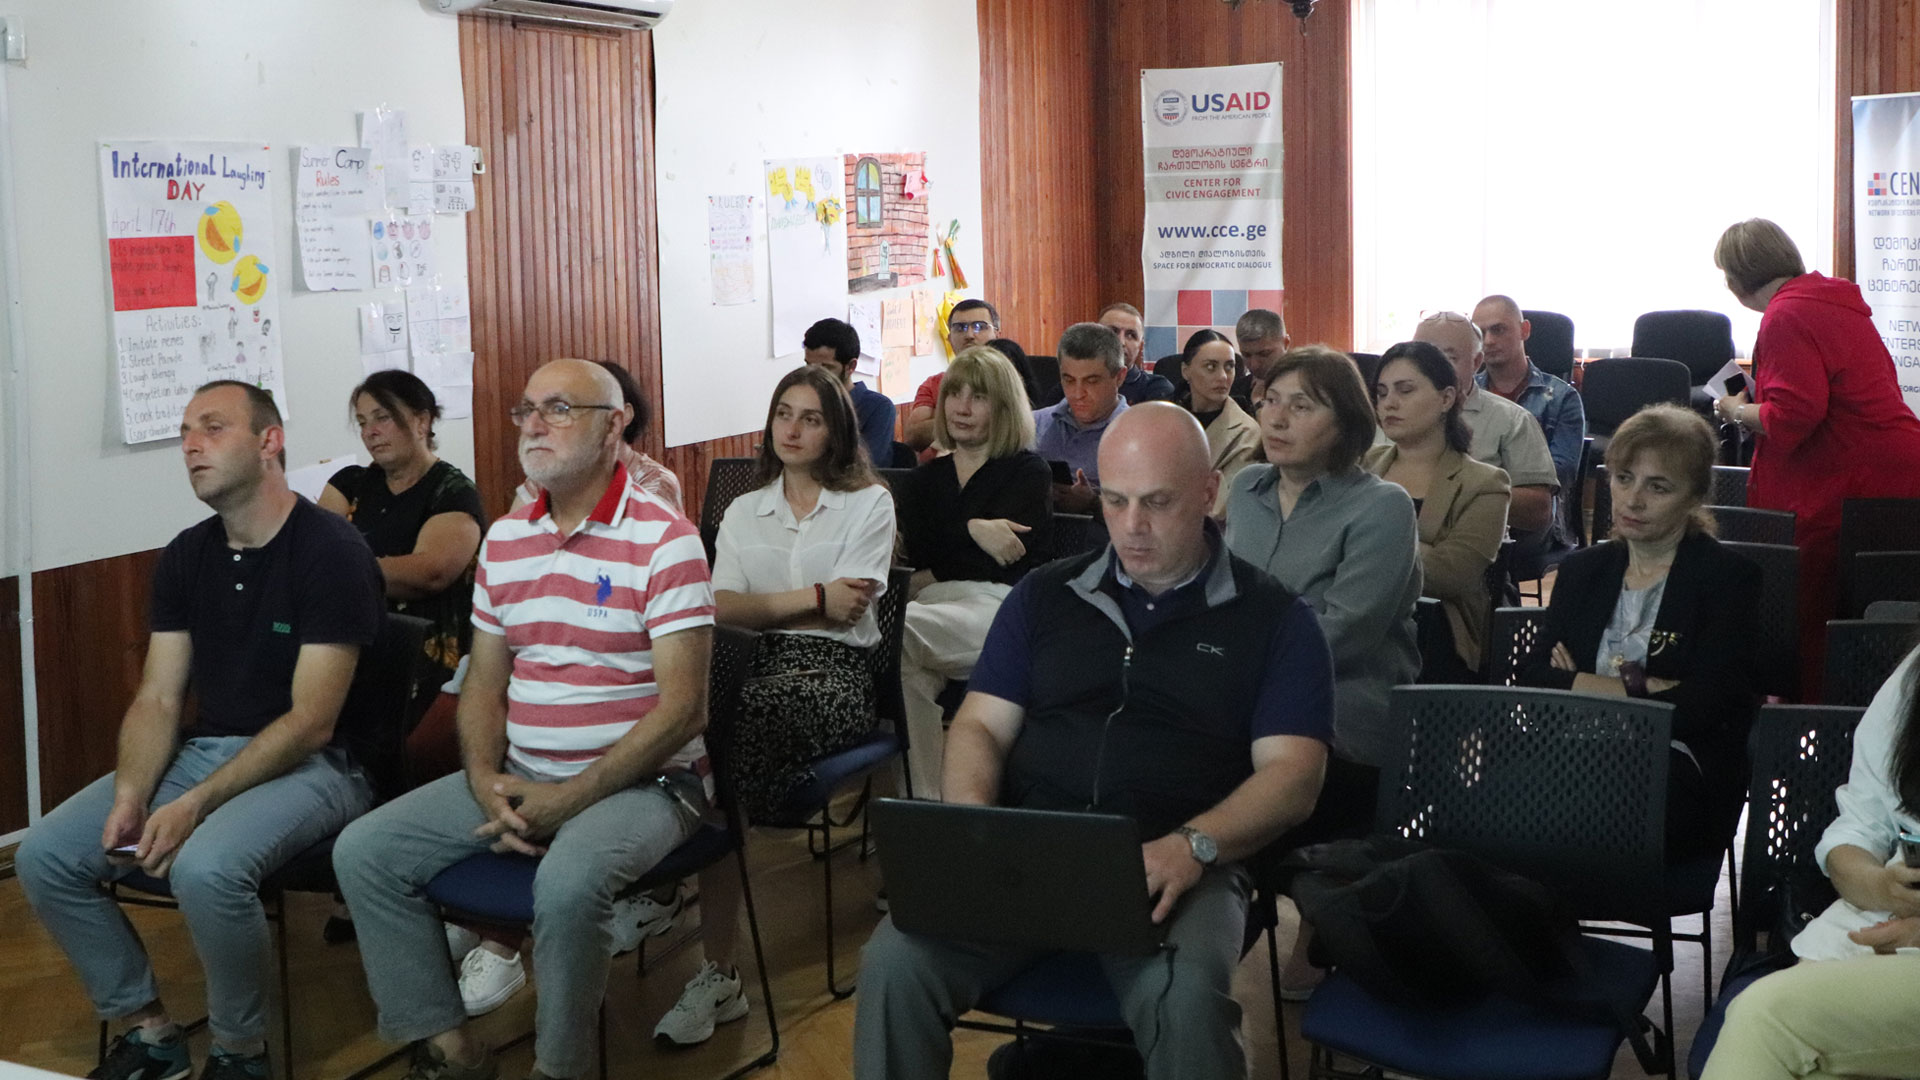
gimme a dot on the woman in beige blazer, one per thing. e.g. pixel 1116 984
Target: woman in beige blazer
pixel 1233 437
pixel 1461 503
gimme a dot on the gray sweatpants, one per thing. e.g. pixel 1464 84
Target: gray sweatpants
pixel 1179 1004
pixel 216 878
pixel 385 859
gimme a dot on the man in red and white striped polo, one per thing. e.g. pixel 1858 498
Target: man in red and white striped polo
pixel 580 725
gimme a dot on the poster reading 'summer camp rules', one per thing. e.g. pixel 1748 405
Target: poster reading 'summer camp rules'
pixel 195 280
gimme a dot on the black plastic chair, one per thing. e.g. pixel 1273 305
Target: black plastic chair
pixel 893 478
pixel 1748 526
pixel 1797 755
pixel 1550 342
pixel 1615 389
pixel 811 808
pixel 497 889
pixel 379 703
pixel 1440 662
pixel 1702 340
pixel 1511 639
pixel 1369 365
pixel 1602 503
pixel 1729 486
pixel 1075 533
pixel 1873 525
pixel 1473 766
pixel 1777 667
pixel 727 480
pixel 1861 655
pixel 1046 380
pixel 1894 611
pixel 1882 575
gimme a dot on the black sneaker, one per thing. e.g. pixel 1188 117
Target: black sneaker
pixel 430 1064
pixel 225 1066
pixel 132 1057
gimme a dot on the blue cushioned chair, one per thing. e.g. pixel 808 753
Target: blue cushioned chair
pixel 1568 789
pixel 497 889
pixel 1798 755
pixel 379 698
pixel 811 807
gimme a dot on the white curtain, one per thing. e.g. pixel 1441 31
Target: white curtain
pixel 1582 157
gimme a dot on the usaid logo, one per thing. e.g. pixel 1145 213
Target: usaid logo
pixel 1170 107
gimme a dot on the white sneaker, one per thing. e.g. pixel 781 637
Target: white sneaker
pixel 487 980
pixel 460 941
pixel 639 917
pixel 711 997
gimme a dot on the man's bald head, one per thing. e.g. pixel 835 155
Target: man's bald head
pixel 1158 493
pixel 586 381
pixel 1456 336
pixel 556 454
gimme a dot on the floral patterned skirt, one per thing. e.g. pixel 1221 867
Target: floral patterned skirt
pixel 809 696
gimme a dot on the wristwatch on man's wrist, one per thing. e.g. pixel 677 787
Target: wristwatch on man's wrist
pixel 1205 851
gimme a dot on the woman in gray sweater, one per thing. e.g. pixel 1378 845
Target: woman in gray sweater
pixel 1346 541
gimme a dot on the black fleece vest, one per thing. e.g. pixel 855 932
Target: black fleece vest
pixel 1157 729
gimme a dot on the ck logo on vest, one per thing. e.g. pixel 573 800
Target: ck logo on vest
pixel 1215 650
pixel 602 589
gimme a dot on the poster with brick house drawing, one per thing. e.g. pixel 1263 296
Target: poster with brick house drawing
pixel 887 221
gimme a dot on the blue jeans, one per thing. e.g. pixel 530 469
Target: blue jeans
pixel 216 878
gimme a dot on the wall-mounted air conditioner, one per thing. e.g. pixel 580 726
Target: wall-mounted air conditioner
pixel 623 14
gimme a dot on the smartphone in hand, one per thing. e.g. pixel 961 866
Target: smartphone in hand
pixel 125 853
pixel 1910 848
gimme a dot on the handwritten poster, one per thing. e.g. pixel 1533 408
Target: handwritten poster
pixel 926 305
pixel 806 246
pixel 331 203
pixel 195 279
pixel 384 132
pixel 730 248
pixel 896 323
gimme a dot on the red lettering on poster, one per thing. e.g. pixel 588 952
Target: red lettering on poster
pixel 152 272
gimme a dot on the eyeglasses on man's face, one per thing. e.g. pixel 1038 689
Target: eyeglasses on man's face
pixel 555 413
pixel 975 327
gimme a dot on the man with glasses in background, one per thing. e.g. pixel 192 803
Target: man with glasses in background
pixel 970 323
pixel 580 724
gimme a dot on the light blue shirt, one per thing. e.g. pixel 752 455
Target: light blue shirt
pixel 1059 437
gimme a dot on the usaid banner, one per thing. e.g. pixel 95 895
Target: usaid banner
pixel 1211 247
pixel 1886 225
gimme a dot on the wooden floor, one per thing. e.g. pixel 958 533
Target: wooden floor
pixel 48 1023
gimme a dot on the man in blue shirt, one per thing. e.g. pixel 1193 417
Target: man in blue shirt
pixel 1552 401
pixel 1227 688
pixel 1090 372
pixel 835 345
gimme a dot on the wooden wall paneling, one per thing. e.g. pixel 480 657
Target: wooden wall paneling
pixel 1061 154
pixel 90 641
pixel 1876 51
pixel 13 736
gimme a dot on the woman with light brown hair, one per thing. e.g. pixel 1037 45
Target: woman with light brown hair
pixel 1826 407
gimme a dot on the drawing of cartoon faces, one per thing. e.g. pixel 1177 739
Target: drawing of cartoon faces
pixel 415 249
pixel 233 323
pixel 379 230
pixel 266 327
pixel 395 324
pixel 426 231
pixel 386 275
pixel 256 315
pixel 407 230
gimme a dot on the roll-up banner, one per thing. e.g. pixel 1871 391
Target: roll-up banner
pixel 1211 246
pixel 1886 225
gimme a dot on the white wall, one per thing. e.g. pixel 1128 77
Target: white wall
pixel 287 72
pixel 740 81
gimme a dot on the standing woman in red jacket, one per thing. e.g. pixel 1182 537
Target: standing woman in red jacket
pixel 1826 405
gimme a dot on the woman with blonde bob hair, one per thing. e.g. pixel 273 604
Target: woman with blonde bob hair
pixel 973 522
pixel 1826 407
pixel 1663 611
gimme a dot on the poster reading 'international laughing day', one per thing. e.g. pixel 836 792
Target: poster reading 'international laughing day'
pixel 190 253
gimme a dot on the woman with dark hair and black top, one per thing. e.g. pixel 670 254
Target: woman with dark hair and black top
pixel 802 559
pixel 1662 611
pixel 1460 504
pixel 1208 366
pixel 1851 1010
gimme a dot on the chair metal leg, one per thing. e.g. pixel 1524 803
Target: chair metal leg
pixel 1706 962
pixel 279 920
pixel 759 962
pixel 602 1028
pixel 826 868
pixel 1273 972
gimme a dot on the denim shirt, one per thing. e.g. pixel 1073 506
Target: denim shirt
pixel 1351 550
pixel 1563 418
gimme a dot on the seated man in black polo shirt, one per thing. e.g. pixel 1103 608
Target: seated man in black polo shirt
pixel 1210 688
pixel 264 607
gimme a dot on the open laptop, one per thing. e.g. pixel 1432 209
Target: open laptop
pixel 1002 876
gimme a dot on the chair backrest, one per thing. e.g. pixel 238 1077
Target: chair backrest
pixel 1873 525
pixel 1435 636
pixel 1075 533
pixel 889 697
pixel 1510 640
pixel 733 650
pixel 1572 501
pixel 1749 526
pixel 1798 755
pixel 1879 576
pixel 1615 389
pixel 727 480
pixel 1894 611
pixel 1369 365
pixel 1861 654
pixel 1729 486
pixel 1567 789
pixel 1550 342
pixel 1046 380
pixel 1702 340
pixel 893 477
pixel 1602 504
pixel 377 715
pixel 902 457
pixel 1777 668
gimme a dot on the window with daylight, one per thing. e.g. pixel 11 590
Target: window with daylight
pixel 866 193
pixel 1582 158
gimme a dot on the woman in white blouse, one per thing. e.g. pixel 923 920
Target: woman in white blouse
pixel 802 559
